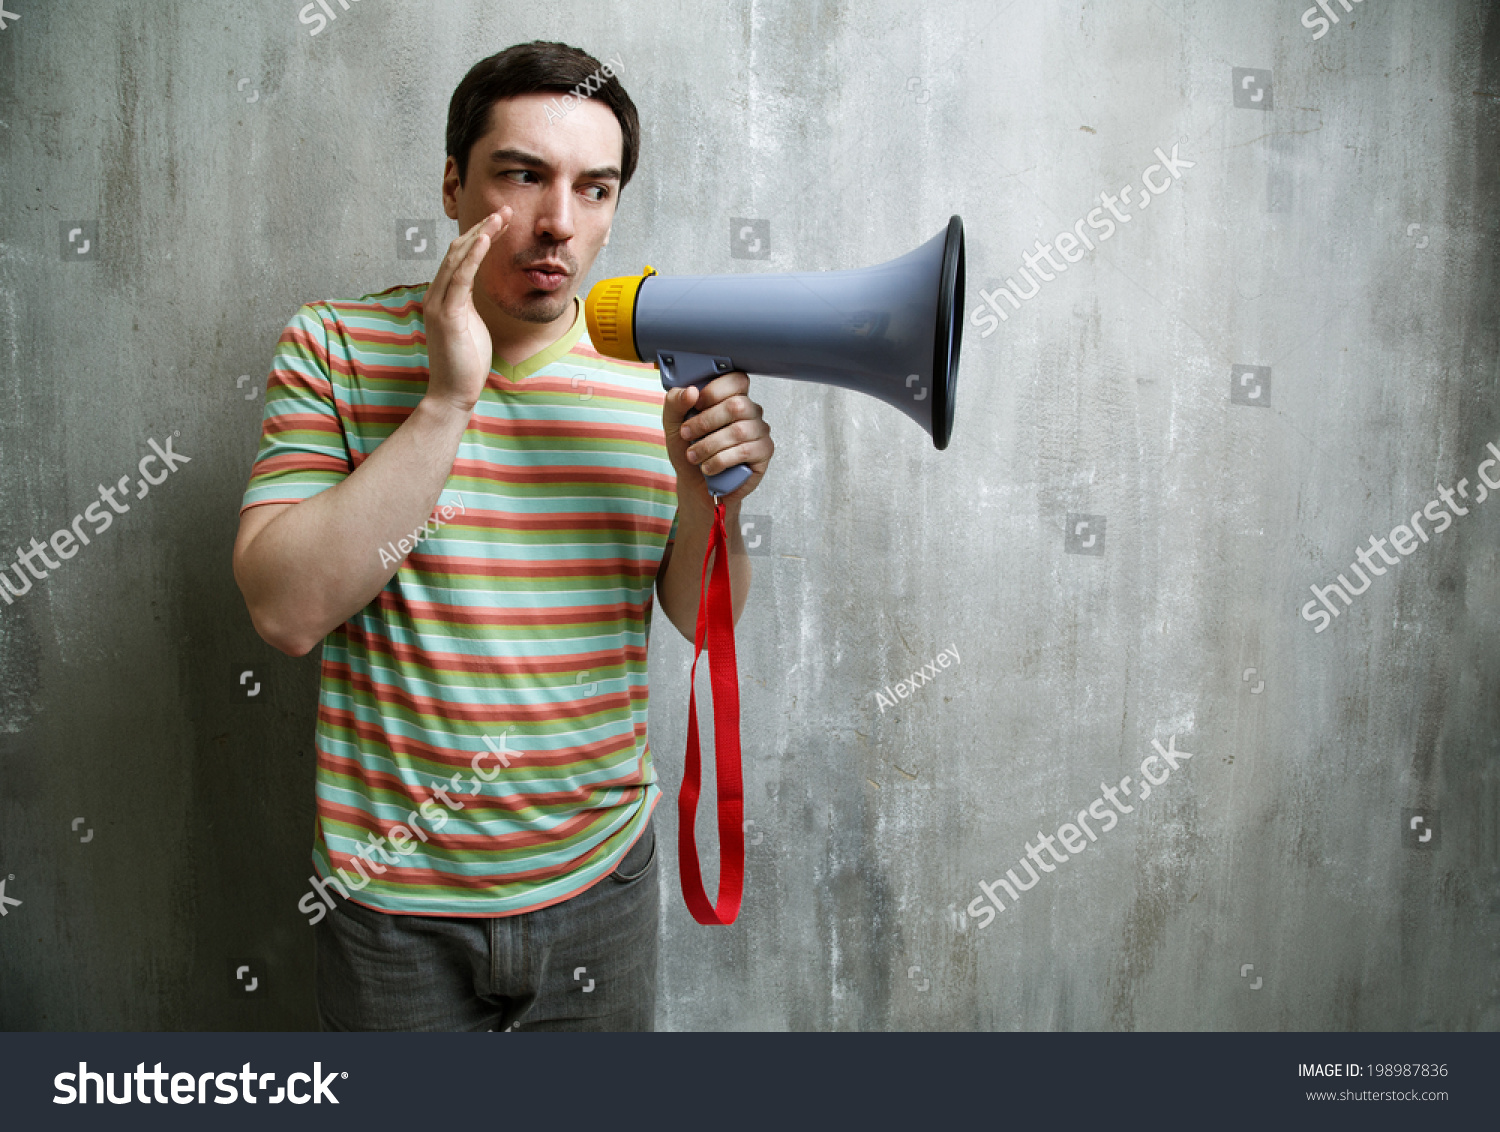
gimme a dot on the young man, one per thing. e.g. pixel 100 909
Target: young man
pixel 469 506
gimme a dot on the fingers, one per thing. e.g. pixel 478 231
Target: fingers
pixel 743 442
pixel 481 238
pixel 722 401
pixel 712 448
pixel 678 404
pixel 728 429
pixel 721 388
pixel 455 275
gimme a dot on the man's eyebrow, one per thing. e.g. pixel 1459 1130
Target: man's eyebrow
pixel 516 157
pixel 532 161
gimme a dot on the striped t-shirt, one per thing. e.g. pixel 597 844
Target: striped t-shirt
pixel 485 714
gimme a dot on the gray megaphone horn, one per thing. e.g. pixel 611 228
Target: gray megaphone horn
pixel 891 331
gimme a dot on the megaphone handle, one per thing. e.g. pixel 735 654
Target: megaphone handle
pixel 678 369
pixel 722 483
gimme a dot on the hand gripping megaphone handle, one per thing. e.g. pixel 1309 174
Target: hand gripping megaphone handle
pixel 679 369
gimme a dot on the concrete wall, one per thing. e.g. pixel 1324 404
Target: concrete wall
pixel 1341 230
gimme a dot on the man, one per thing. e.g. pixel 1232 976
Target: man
pixel 469 506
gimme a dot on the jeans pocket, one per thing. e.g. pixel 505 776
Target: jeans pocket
pixel 359 913
pixel 637 863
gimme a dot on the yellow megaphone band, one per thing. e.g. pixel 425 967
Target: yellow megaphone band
pixel 609 312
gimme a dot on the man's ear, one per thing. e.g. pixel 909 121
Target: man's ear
pixel 606 237
pixel 450 172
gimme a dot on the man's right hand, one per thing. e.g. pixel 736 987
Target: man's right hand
pixel 459 349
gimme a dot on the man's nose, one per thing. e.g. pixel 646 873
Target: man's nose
pixel 555 218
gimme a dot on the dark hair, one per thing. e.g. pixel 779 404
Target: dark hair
pixel 528 68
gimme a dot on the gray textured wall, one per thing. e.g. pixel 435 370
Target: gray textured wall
pixel 226 165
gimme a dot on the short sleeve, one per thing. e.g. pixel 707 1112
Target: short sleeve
pixel 303 449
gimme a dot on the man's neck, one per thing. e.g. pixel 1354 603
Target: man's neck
pixel 514 341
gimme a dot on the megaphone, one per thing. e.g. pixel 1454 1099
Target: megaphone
pixel 892 331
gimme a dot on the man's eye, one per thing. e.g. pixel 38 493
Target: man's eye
pixel 519 173
pixel 599 192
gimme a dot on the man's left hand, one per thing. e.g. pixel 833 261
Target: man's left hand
pixel 729 429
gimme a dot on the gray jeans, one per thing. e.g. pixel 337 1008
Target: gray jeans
pixel 588 963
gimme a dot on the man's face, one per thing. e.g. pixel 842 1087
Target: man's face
pixel 560 178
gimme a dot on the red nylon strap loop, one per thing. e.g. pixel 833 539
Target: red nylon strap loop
pixel 716 625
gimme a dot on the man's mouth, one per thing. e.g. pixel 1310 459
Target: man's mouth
pixel 547 277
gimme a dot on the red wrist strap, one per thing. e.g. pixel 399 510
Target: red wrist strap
pixel 716 625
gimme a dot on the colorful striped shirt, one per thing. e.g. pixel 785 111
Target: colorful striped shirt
pixel 481 731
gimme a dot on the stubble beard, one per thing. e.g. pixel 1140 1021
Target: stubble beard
pixel 539 309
